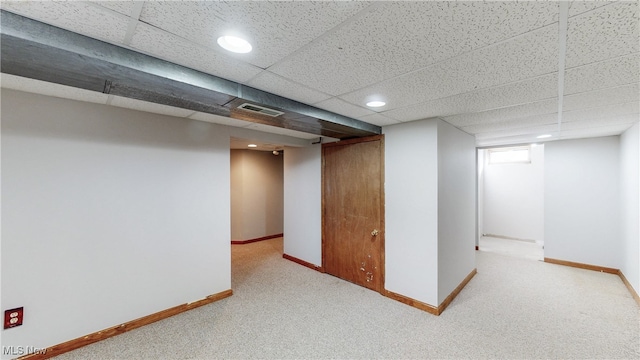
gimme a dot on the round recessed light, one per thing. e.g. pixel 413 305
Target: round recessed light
pixel 252 145
pixel 234 44
pixel 544 136
pixel 376 103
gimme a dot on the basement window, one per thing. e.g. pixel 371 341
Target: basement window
pixel 510 155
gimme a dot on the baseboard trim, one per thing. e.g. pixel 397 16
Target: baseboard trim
pixel 430 308
pixel 242 242
pixel 626 282
pixel 303 263
pixel 582 266
pixel 62 348
pixel 613 271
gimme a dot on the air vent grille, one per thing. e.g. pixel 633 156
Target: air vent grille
pixel 260 110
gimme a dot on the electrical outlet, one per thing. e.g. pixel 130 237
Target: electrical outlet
pixel 13 317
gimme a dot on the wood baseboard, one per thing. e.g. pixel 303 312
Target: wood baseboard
pixel 626 282
pixel 242 242
pixel 303 263
pixel 122 328
pixel 582 266
pixel 430 308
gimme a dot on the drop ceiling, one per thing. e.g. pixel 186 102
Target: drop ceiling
pixel 504 72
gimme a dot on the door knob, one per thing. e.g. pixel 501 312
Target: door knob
pixel 374 232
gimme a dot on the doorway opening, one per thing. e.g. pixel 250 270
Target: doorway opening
pixel 511 201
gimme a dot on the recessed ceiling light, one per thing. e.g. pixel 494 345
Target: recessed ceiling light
pixel 252 145
pixel 376 103
pixel 544 136
pixel 234 44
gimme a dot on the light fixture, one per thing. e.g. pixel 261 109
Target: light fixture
pixel 376 103
pixel 234 44
pixel 544 136
pixel 276 152
pixel 252 145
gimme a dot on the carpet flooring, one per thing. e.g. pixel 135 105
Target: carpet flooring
pixel 514 308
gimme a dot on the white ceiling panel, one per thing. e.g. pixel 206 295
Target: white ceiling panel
pixel 609 73
pixel 149 107
pixel 76 16
pixel 378 119
pixel 597 122
pixel 278 85
pixel 533 54
pixel 578 7
pixel 123 7
pixel 217 119
pixel 344 108
pixel 604 33
pixel 390 40
pixel 531 132
pixel 608 96
pixel 8 81
pixel 522 92
pixel 519 123
pixel 549 106
pixel 607 130
pixel 281 131
pixel 172 48
pixel 276 29
pixel 602 112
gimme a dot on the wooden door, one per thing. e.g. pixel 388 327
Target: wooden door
pixel 353 211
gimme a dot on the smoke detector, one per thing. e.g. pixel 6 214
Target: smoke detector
pixel 260 110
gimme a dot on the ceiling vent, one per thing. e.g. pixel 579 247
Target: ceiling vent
pixel 260 110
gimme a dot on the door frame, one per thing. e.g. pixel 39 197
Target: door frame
pixel 381 236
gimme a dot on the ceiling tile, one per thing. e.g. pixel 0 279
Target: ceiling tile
pixel 609 73
pixel 513 124
pixel 282 131
pixel 577 7
pixel 608 96
pixel 280 86
pixel 531 90
pixel 275 29
pixel 76 16
pixel 390 40
pixel 549 106
pixel 602 112
pixel 607 130
pixel 217 119
pixel 46 88
pixel 597 122
pixel 604 33
pixel 531 132
pixel 527 56
pixel 343 108
pixel 378 119
pixel 123 7
pixel 149 107
pixel 169 47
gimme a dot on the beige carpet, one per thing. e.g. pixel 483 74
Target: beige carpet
pixel 513 308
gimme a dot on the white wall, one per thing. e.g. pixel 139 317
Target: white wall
pixel 456 207
pixel 630 205
pixel 303 203
pixel 256 194
pixel 582 201
pixel 514 198
pixel 108 215
pixel 411 210
pixel 480 191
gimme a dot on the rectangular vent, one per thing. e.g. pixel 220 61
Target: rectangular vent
pixel 260 110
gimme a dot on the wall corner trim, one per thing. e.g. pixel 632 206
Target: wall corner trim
pixel 268 237
pixel 64 347
pixel 427 307
pixel 303 263
pixel 613 271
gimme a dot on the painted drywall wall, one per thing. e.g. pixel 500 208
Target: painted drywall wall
pixel 411 210
pixel 630 205
pixel 480 161
pixel 257 199
pixel 303 203
pixel 108 215
pixel 582 201
pixel 514 198
pixel 456 207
